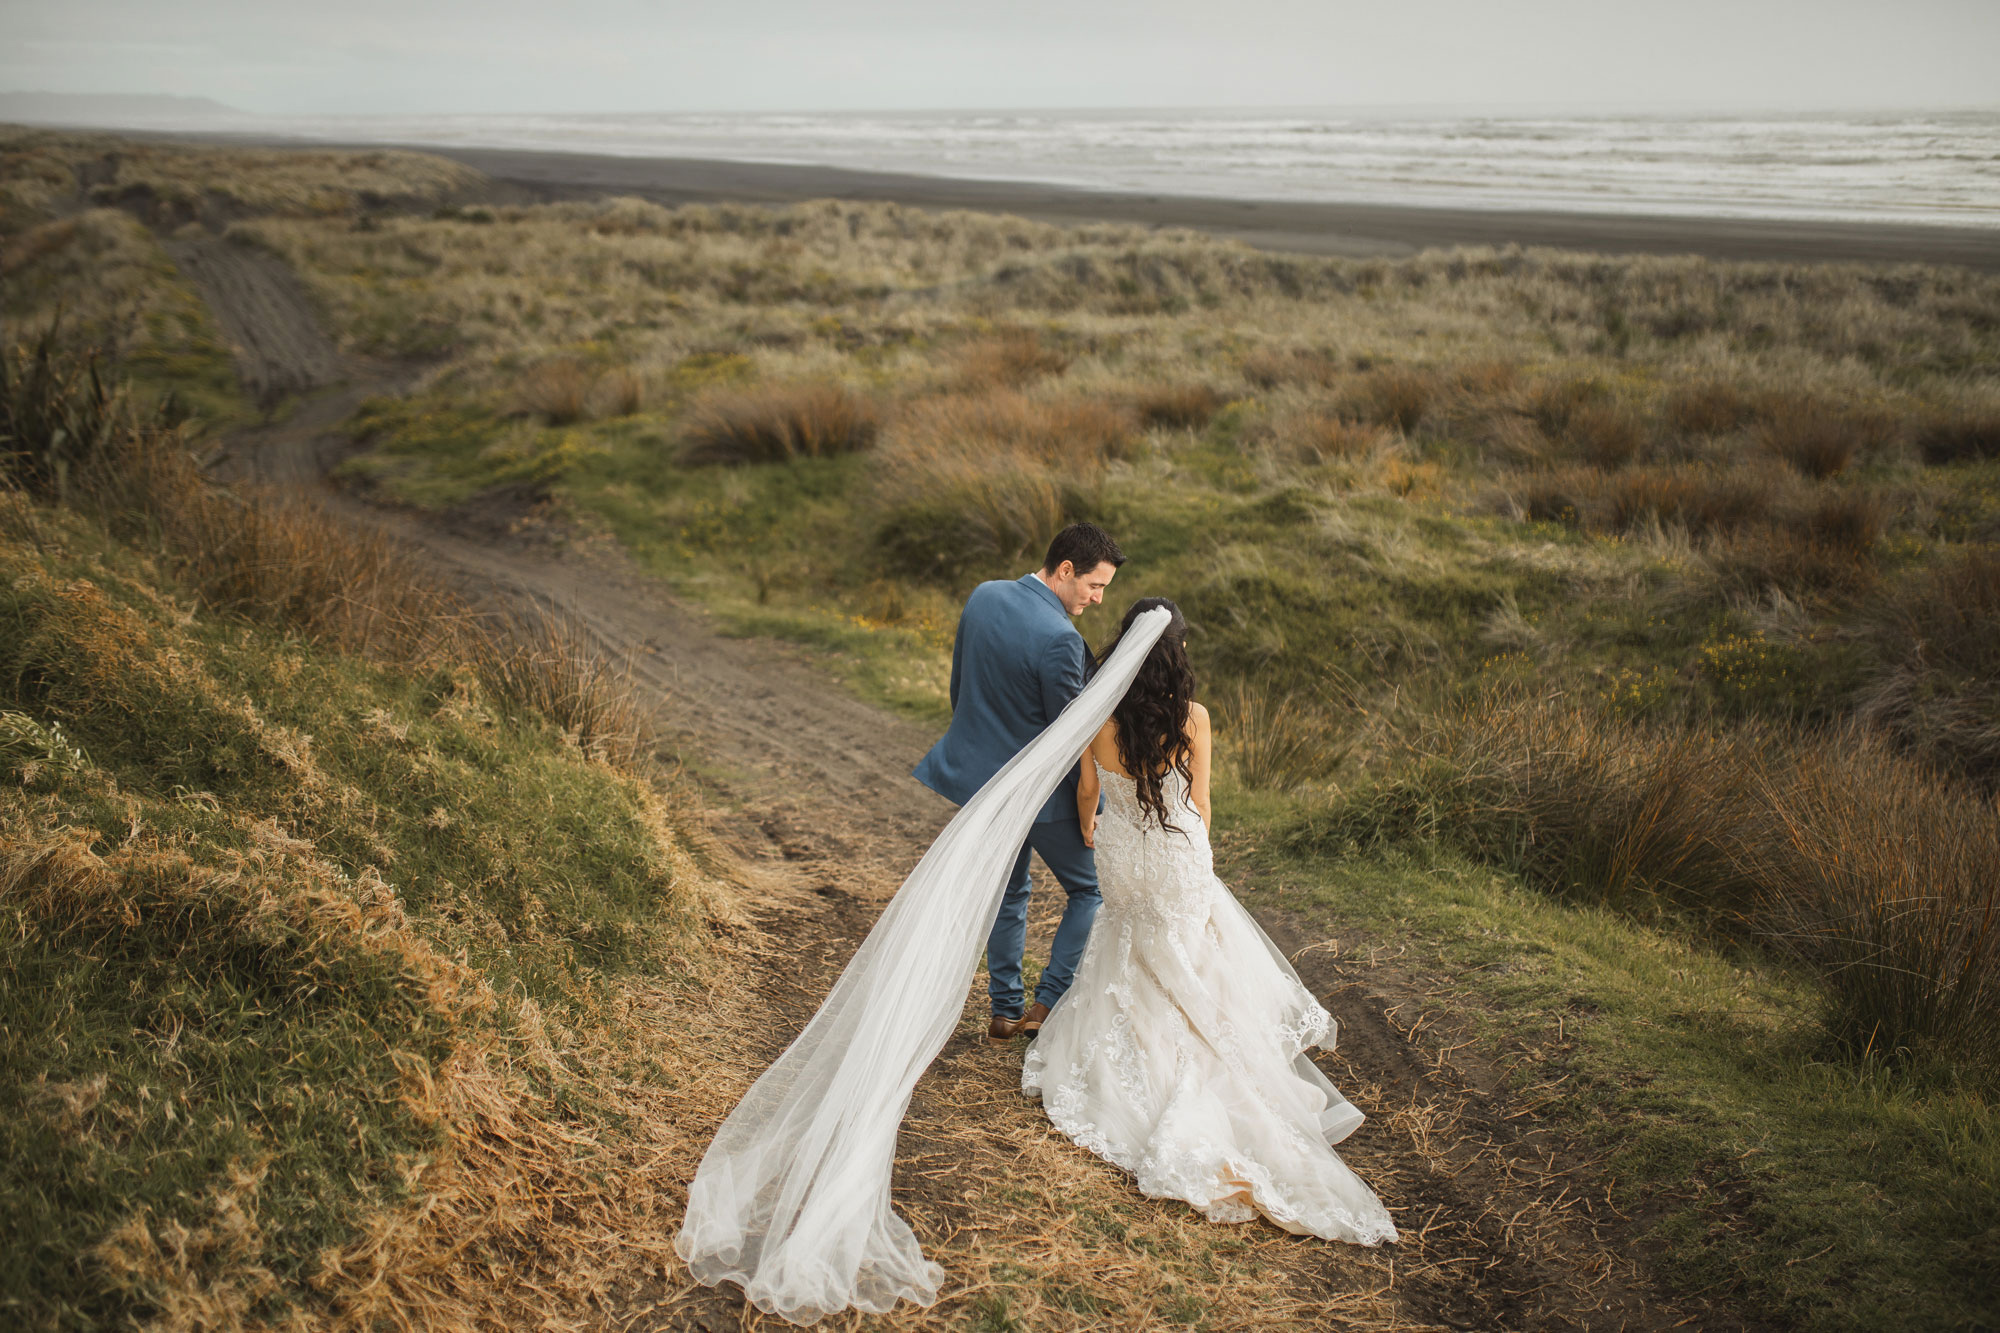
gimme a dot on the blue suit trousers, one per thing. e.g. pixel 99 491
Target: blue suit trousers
pixel 1059 842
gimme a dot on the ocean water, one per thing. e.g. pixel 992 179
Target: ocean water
pixel 1939 166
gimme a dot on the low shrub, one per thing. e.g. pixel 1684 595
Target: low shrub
pixel 778 424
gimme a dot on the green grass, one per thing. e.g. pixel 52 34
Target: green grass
pixel 1792 1182
pixel 221 1028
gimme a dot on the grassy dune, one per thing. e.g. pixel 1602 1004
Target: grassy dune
pixel 1620 631
pixel 326 914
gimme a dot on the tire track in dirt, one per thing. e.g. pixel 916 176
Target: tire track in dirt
pixel 811 789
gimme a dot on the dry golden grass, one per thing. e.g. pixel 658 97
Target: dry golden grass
pixel 520 1217
pixel 1885 879
pixel 771 425
pixel 1008 361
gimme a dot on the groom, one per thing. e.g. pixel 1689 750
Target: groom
pixel 1017 661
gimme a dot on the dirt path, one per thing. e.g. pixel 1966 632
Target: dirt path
pixel 1504 1227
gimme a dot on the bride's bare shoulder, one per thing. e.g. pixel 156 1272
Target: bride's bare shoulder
pixel 1104 747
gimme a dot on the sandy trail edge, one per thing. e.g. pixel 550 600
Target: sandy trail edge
pixel 1502 1226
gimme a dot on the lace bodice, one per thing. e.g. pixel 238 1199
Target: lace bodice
pixel 1143 868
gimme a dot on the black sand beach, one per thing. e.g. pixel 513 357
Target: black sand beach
pixel 1355 230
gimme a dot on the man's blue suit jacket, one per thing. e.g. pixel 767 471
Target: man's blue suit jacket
pixel 1015 663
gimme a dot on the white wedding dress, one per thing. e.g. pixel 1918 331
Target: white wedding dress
pixel 1179 1052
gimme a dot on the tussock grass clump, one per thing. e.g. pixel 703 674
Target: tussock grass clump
pixel 1275 740
pixel 1312 437
pixel 1935 682
pixel 1759 526
pixel 549 662
pixel 1551 403
pixel 1604 435
pixel 775 425
pixel 1701 500
pixel 1395 396
pixel 1817 439
pixel 1825 847
pixel 558 391
pixel 1176 406
pixel 969 481
pixel 1272 368
pixel 621 393
pixel 1710 408
pixel 1581 418
pixel 1961 435
pixel 1886 881
pixel 1008 361
pixel 1082 432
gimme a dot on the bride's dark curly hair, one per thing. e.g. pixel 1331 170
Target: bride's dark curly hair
pixel 1152 718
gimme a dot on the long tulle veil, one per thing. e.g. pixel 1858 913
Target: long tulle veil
pixel 792 1199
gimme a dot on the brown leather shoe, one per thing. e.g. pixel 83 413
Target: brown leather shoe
pixel 1002 1030
pixel 1031 1022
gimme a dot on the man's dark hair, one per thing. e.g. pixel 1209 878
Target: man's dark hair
pixel 1085 546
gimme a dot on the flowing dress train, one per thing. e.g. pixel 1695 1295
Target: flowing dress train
pixel 1179 1052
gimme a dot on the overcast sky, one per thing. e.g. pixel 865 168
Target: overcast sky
pixel 338 56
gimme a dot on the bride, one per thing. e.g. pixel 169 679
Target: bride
pixel 1177 1054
